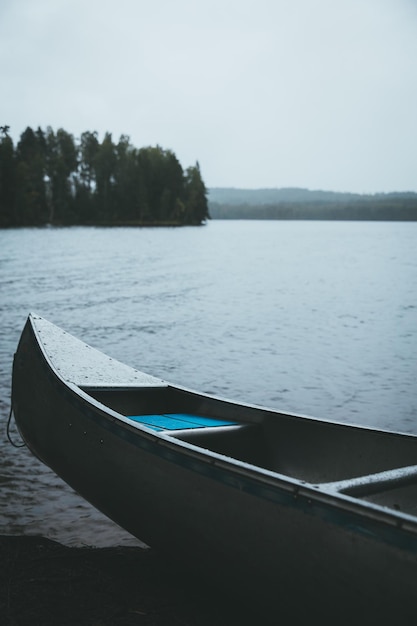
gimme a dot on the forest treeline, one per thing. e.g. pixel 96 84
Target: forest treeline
pixel 302 204
pixel 376 210
pixel 49 177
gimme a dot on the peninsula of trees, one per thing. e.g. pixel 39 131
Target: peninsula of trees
pixel 51 178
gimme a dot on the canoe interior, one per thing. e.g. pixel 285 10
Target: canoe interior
pixel 302 448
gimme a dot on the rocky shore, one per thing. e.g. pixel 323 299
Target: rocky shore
pixel 44 583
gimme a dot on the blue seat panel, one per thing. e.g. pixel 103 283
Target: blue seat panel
pixel 178 421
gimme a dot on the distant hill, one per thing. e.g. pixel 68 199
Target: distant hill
pixel 297 203
pixel 231 195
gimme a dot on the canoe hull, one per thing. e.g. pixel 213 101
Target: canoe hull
pixel 248 532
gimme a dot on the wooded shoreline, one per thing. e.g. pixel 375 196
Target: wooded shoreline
pixel 305 204
pixel 381 210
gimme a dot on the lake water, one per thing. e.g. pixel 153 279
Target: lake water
pixel 317 318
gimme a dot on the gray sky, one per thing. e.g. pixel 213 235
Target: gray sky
pixel 263 93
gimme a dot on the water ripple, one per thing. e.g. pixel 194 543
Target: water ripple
pixel 313 317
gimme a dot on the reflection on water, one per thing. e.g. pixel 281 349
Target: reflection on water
pixel 311 317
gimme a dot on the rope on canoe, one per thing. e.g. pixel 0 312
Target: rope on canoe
pixel 9 437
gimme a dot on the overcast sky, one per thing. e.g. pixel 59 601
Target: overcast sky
pixel 319 94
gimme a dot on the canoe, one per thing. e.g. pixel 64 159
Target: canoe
pixel 291 511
